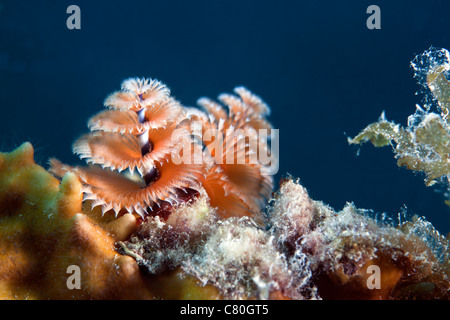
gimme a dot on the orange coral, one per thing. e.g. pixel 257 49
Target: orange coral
pixel 146 130
pixel 45 230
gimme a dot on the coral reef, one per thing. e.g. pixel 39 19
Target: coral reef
pixel 202 230
pixel 302 249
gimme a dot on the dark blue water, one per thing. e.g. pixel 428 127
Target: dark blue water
pixel 324 74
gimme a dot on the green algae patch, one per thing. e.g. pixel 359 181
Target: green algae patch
pixel 424 144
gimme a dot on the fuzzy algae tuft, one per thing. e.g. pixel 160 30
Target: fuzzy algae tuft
pixel 424 145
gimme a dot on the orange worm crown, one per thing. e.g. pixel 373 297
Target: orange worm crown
pixel 145 130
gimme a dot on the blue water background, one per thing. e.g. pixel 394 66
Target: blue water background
pixel 324 74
